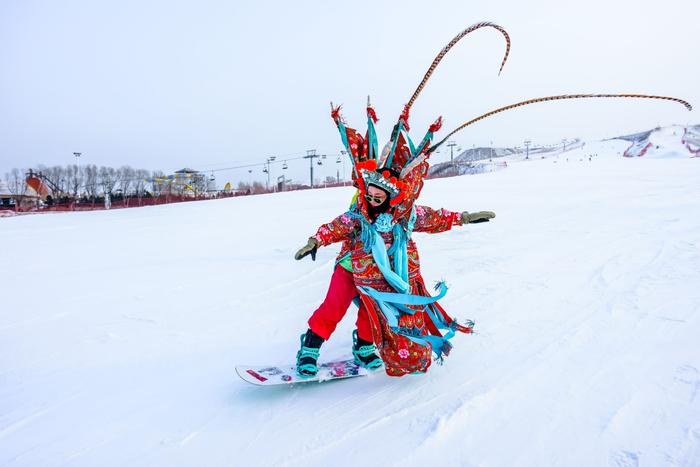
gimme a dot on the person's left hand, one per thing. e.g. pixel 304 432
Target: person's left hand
pixel 308 249
pixel 476 217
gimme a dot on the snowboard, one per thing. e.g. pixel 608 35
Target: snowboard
pixel 276 375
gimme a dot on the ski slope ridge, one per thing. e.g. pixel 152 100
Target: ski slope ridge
pixel 120 330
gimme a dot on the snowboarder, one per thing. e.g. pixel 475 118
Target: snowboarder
pixel 378 265
pixel 342 289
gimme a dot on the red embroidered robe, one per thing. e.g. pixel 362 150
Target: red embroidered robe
pixel 401 355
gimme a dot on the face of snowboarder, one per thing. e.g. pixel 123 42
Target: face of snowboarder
pixel 377 201
pixel 376 196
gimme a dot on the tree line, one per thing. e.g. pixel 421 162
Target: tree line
pixel 92 182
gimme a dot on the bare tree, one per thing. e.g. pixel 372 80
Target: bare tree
pixel 59 177
pixel 199 183
pixel 17 185
pixel 107 178
pixel 74 178
pixel 140 178
pixel 126 176
pixel 16 182
pixel 258 188
pixel 91 181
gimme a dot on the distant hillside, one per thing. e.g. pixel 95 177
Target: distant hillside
pixel 479 160
pixel 670 141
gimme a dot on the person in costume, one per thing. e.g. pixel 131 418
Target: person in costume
pixel 342 290
pixel 378 266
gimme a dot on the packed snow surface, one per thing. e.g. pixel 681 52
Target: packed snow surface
pixel 120 330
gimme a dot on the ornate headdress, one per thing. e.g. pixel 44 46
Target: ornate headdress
pixel 383 179
pixel 410 161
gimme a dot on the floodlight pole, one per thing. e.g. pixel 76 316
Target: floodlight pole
pixel 77 160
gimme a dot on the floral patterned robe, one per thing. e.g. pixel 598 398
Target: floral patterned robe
pixel 400 354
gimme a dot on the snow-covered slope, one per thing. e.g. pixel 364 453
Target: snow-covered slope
pixel 481 160
pixel 119 330
pixel 666 142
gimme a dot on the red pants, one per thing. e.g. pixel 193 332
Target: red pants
pixel 340 293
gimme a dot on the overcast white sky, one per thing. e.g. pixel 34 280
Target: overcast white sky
pixel 211 84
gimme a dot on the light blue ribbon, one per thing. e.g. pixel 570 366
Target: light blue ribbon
pixel 404 298
pixel 397 278
pixel 393 305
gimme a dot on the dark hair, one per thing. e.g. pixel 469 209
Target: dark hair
pixel 392 173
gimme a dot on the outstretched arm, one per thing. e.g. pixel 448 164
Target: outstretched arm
pixel 441 220
pixel 337 230
pixel 435 220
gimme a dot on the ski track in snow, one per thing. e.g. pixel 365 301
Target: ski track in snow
pixel 583 289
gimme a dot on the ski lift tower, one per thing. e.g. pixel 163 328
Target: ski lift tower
pixel 267 169
pixel 343 154
pixel 451 145
pixel 337 170
pixel 311 155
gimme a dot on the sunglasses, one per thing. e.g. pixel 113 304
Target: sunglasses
pixel 371 198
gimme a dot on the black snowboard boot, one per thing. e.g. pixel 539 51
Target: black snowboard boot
pixel 307 356
pixel 365 353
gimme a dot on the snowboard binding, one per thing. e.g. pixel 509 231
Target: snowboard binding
pixel 365 353
pixel 307 357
